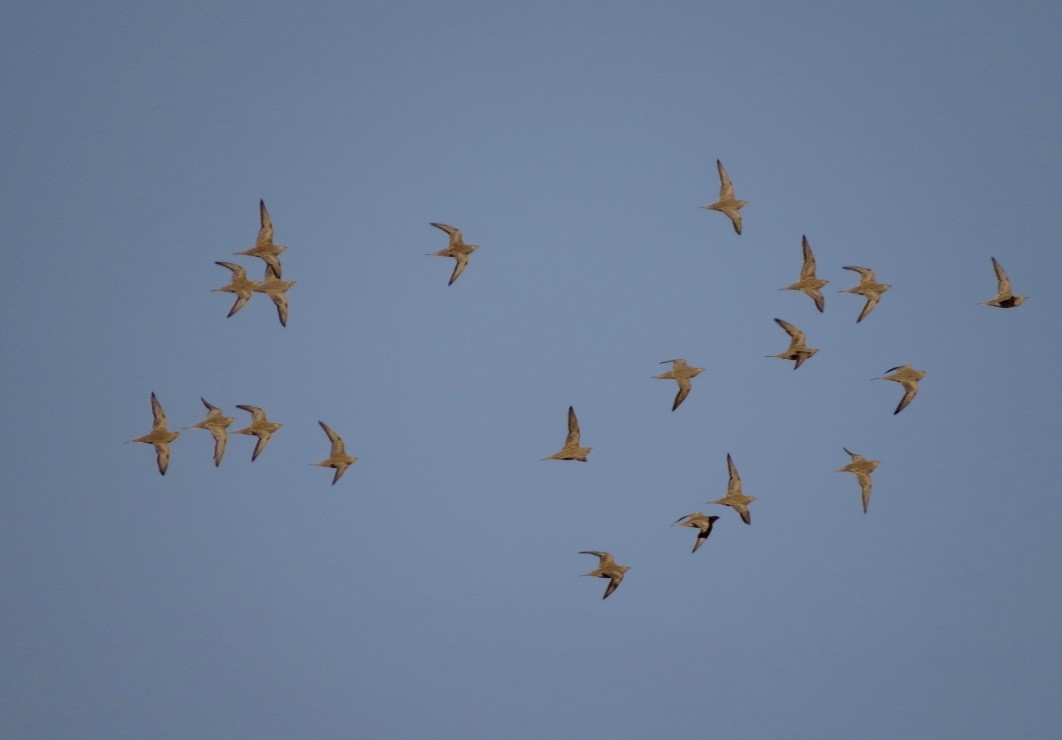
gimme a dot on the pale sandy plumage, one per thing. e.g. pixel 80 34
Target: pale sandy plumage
pixel 727 203
pixel 277 290
pixel 456 249
pixel 702 522
pixel 1005 297
pixel 798 350
pixel 217 424
pixel 735 497
pixel 260 427
pixel 572 449
pixel 240 285
pixel 808 283
pixel 682 373
pixel 264 247
pixel 862 468
pixel 338 459
pixel 607 568
pixel 868 287
pixel 160 436
pixel 908 377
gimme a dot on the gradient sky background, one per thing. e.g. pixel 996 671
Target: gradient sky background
pixel 434 591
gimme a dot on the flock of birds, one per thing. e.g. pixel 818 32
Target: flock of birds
pixel 217 423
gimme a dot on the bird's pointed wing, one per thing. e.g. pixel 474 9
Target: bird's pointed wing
pixel 872 300
pixel 238 273
pixel 157 413
pixel 820 301
pixel 573 429
pixel 462 263
pixel 256 413
pixel 744 512
pixel 209 405
pixel 797 335
pixel 265 234
pixel 241 301
pixel 260 445
pixel 455 234
pixel 338 447
pixel 613 584
pixel 726 188
pixel 162 456
pixel 910 388
pixel 604 558
pixel 685 386
pixel 281 300
pixel 1001 275
pixel 734 484
pixel 340 469
pixel 808 269
pixel 221 439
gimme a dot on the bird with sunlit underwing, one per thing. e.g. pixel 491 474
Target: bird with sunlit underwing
pixel 908 377
pixel 862 468
pixel 607 568
pixel 572 449
pixel 682 373
pixel 809 284
pixel 217 424
pixel 260 427
pixel 702 522
pixel 727 203
pixel 735 497
pixel 798 350
pixel 160 435
pixel 456 249
pixel 264 248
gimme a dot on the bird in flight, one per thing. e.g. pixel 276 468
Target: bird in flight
pixel 727 203
pixel 868 287
pixel 277 290
pixel 702 522
pixel 908 377
pixel 798 350
pixel 735 498
pixel 572 449
pixel 264 248
pixel 338 458
pixel 607 568
pixel 808 283
pixel 240 285
pixel 160 436
pixel 260 427
pixel 1005 297
pixel 682 373
pixel 456 249
pixel 217 424
pixel 862 468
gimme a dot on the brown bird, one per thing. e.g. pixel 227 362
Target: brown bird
pixel 727 203
pixel 264 247
pixel 338 459
pixel 572 449
pixel 798 350
pixel 216 423
pixel 456 249
pixel 702 522
pixel 808 283
pixel 607 568
pixel 260 427
pixel 160 436
pixel 735 498
pixel 277 290
pixel 868 287
pixel 908 377
pixel 1005 297
pixel 240 285
pixel 862 469
pixel 681 372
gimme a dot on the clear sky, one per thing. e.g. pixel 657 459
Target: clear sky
pixel 435 591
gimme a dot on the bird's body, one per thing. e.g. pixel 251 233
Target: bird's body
pixel 682 373
pixel 264 248
pixel 862 468
pixel 260 427
pixel 217 424
pixel 607 568
pixel 573 449
pixel 702 522
pixel 160 435
pixel 735 497
pixel 338 459
pixel 809 283
pixel 868 287
pixel 277 290
pixel 727 203
pixel 798 350
pixel 456 249
pixel 908 377
pixel 1005 297
pixel 240 286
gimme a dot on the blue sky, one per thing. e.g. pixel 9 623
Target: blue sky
pixel 434 591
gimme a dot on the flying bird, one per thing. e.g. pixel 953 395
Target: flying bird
pixel 1005 297
pixel 727 203
pixel 240 285
pixel 264 248
pixel 808 283
pixel 682 373
pixel 456 249
pixel 217 424
pixel 735 498
pixel 277 290
pixel 338 459
pixel 160 436
pixel 260 427
pixel 607 568
pixel 798 350
pixel 908 377
pixel 862 468
pixel 868 287
pixel 702 522
pixel 572 449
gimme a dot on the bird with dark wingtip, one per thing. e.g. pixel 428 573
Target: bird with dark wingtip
pixel 908 377
pixel 607 568
pixel 682 373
